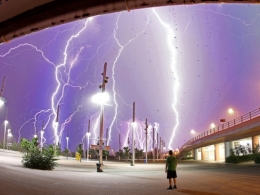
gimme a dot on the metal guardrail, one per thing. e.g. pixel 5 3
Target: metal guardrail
pixel 246 117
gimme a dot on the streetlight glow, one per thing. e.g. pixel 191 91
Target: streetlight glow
pixel 212 125
pixel 192 131
pixel 230 111
pixel 100 98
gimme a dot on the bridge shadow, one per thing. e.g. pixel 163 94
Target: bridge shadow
pixel 192 192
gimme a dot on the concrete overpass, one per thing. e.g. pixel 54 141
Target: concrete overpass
pixel 21 17
pixel 228 134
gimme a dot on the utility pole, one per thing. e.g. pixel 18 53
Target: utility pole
pixel 146 127
pixel 133 137
pixel 103 88
pixel 160 148
pixel 153 145
pixel 88 134
pixel 2 88
pixel 42 132
pixel 6 122
pixel 106 136
pixel 57 123
pixel 119 147
pixel 157 147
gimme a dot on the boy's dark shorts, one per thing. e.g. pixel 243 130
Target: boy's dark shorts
pixel 171 174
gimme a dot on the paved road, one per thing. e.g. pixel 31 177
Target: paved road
pixel 75 178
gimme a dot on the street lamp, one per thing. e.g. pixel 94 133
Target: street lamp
pixel 232 111
pixel 192 131
pixel 101 99
pixel 88 135
pixel 212 125
pixel 5 122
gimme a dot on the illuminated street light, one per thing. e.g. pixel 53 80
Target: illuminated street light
pixel 100 98
pixel 192 131
pixel 212 125
pixel 232 111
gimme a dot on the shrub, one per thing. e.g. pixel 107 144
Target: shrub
pixel 187 158
pixel 36 159
pixel 257 158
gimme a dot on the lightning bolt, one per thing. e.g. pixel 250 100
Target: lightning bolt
pixel 121 48
pixel 176 85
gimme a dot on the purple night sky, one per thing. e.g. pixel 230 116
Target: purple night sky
pixel 184 66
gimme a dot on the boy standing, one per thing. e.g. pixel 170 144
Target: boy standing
pixel 170 169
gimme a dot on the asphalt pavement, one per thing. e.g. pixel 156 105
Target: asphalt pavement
pixel 119 178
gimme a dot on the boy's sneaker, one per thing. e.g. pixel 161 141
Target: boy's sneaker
pixel 169 188
pixel 175 187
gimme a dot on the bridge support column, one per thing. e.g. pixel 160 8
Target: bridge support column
pixel 217 152
pixel 194 154
pixel 228 146
pixel 203 155
pixel 255 141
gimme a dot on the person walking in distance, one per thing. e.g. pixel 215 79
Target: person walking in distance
pixel 170 169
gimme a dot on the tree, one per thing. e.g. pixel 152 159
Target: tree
pixel 138 153
pixel 105 153
pixel 120 154
pixel 126 152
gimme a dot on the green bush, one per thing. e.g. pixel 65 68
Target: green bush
pixel 239 159
pixel 187 158
pixel 34 158
pixel 257 158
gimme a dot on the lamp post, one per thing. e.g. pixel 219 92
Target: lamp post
pixel 2 100
pixel 5 122
pixel 146 127
pixel 133 136
pixel 101 99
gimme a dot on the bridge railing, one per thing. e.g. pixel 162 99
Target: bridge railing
pixel 246 117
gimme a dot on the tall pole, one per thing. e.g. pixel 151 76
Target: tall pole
pixel 103 87
pixel 106 136
pixel 5 122
pixel 153 144
pixel 67 138
pixel 2 88
pixel 42 135
pixel 133 137
pixel 157 148
pixel 88 134
pixel 146 127
pixel 57 123
pixel 160 152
